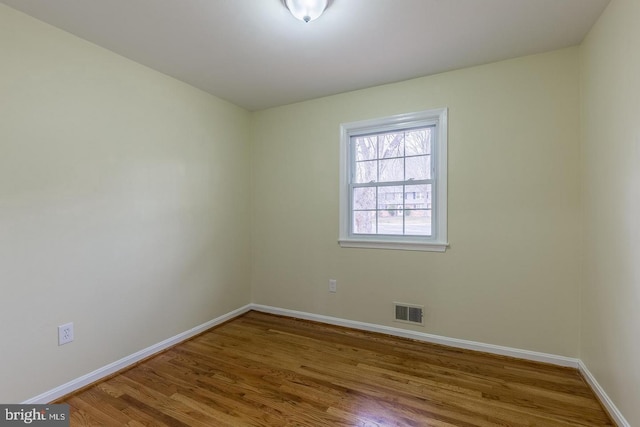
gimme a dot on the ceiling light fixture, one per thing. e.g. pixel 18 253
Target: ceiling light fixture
pixel 306 10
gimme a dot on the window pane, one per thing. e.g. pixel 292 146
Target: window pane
pixel 391 170
pixel 418 142
pixel 417 222
pixel 390 222
pixel 365 147
pixel 364 222
pixel 364 198
pixel 390 198
pixel 417 196
pixel 418 167
pixel 391 145
pixel 366 172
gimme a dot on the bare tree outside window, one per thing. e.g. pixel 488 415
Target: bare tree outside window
pixel 392 188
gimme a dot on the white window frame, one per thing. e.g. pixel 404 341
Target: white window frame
pixel 438 240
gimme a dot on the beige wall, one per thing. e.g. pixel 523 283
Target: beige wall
pixel 124 200
pixel 511 275
pixel 610 344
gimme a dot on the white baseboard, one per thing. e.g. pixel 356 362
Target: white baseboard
pixel 127 361
pixel 421 336
pixel 614 412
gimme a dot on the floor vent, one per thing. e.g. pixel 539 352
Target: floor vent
pixel 409 313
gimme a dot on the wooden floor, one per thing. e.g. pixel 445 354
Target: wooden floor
pixel 264 370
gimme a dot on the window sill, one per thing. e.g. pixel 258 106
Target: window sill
pixel 395 245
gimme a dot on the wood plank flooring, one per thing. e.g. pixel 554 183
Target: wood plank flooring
pixel 265 370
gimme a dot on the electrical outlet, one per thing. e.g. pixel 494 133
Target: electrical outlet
pixel 333 286
pixel 65 333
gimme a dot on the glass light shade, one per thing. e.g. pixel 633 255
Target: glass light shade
pixel 306 10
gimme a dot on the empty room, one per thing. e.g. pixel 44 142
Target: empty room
pixel 320 212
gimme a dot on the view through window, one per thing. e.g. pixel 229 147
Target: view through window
pixel 392 182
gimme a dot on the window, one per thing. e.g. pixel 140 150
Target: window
pixel 393 182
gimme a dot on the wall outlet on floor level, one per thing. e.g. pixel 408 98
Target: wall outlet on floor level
pixel 65 333
pixel 333 286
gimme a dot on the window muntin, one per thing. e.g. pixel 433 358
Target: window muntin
pixel 393 182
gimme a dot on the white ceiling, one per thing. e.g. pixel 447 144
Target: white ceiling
pixel 256 55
